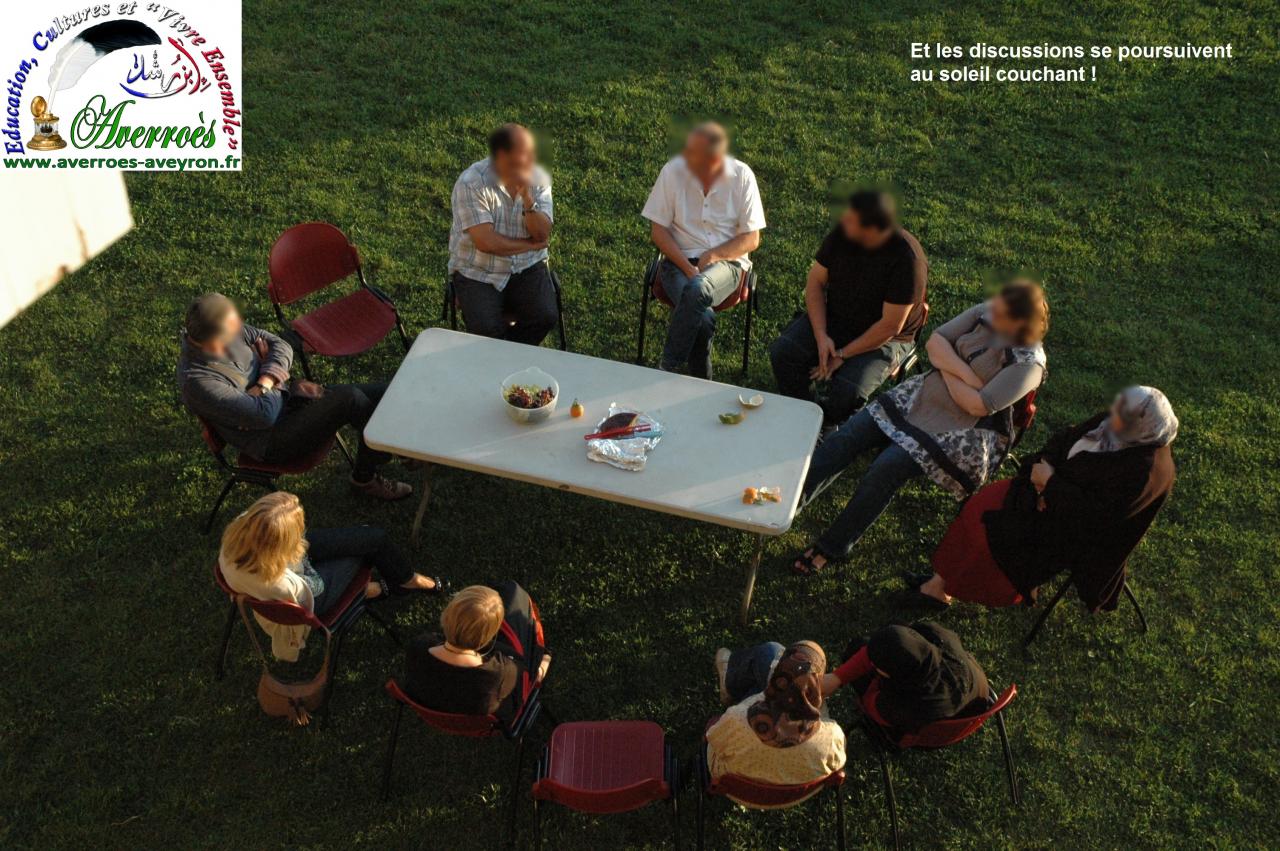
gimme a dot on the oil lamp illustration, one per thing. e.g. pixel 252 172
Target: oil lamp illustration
pixel 46 137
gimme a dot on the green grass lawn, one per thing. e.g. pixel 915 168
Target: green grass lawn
pixel 1146 201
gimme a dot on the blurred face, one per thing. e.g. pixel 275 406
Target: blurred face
pixel 700 157
pixel 853 228
pixel 1118 425
pixel 516 165
pixel 232 324
pixel 1004 324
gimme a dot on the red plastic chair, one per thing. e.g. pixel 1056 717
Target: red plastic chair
pixel 334 623
pixel 310 257
pixel 247 469
pixel 941 734
pixel 469 726
pixel 747 291
pixel 605 767
pixel 766 796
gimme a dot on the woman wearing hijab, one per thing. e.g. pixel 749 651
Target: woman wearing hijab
pixel 953 424
pixel 1081 505
pixel 777 730
pixel 910 676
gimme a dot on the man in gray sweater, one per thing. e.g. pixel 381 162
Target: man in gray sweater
pixel 236 378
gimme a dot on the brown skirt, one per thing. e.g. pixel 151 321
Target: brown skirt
pixel 964 559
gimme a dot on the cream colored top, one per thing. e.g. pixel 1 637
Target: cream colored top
pixel 286 641
pixel 734 748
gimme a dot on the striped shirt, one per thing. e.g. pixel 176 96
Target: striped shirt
pixel 478 197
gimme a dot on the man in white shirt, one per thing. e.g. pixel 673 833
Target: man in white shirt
pixel 705 217
pixel 498 242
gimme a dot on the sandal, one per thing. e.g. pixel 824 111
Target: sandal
pixel 802 565
pixel 439 587
pixel 913 597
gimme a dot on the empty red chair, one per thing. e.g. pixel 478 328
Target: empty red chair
pixel 470 726
pixel 310 257
pixel 333 624
pixel 747 291
pixel 941 734
pixel 250 470
pixel 606 767
pixel 765 796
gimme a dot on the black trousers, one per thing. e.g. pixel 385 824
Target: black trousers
pixel 337 554
pixel 529 297
pixel 306 423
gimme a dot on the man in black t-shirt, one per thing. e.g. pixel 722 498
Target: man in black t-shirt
pixel 865 303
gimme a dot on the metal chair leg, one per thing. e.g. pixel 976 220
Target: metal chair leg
pixel 346 453
pixel 1008 760
pixel 839 793
pixel 746 335
pixel 1044 616
pixel 333 676
pixel 391 751
pixel 564 338
pixel 306 364
pixel 220 664
pixel 644 318
pixel 515 793
pixel 675 819
pixel 700 813
pixel 217 505
pixel 1128 592
pixel 889 796
pixel 404 338
pixel 537 824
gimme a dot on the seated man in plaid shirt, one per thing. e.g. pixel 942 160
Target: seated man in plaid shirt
pixel 498 242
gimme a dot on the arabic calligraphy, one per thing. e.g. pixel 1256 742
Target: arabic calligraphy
pixel 151 80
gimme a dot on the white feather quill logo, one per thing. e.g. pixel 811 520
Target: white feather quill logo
pixel 90 46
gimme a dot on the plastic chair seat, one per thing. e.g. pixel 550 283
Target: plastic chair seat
pixel 941 734
pixel 605 766
pixel 471 726
pixel 738 296
pixel 351 325
pixel 301 464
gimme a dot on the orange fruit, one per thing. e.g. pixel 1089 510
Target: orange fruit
pixel 749 496
pixel 576 409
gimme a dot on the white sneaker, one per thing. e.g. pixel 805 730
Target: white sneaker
pixel 722 671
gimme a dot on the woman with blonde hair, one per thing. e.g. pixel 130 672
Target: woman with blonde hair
pixel 268 553
pixel 954 424
pixel 488 657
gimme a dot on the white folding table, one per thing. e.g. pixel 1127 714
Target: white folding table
pixel 444 406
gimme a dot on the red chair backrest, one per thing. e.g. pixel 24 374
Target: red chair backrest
pixel 283 612
pixel 212 439
pixel 1024 411
pixel 474 726
pixel 940 734
pixel 307 258
pixel 752 793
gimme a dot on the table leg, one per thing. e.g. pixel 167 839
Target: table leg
pixel 422 504
pixel 753 567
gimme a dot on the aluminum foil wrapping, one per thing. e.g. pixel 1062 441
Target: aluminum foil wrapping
pixel 627 453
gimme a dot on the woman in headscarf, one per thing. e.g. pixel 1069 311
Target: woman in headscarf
pixel 910 676
pixel 777 730
pixel 954 424
pixel 1081 505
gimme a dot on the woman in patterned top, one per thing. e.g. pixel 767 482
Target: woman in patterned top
pixel 953 424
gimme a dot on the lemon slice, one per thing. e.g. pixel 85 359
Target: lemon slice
pixel 750 401
pixel 733 418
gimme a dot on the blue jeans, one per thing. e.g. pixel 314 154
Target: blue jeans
pixel 748 670
pixel 693 319
pixel 795 353
pixel 890 470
